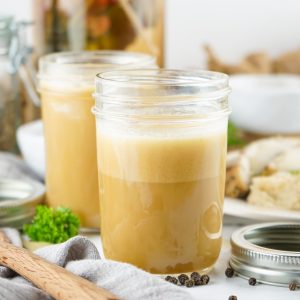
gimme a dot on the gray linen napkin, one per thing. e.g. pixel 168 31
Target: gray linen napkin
pixel 80 256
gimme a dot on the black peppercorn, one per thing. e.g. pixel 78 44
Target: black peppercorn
pixel 293 286
pixel 171 279
pixel 198 281
pixel 232 297
pixel 252 281
pixel 229 272
pixel 183 278
pixel 189 283
pixel 205 279
pixel 195 275
pixel 174 280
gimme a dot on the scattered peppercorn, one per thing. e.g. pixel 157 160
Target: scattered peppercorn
pixel 195 279
pixel 252 281
pixel 205 279
pixel 171 279
pixel 189 283
pixel 198 281
pixel 183 278
pixel 174 280
pixel 195 275
pixel 229 272
pixel 232 297
pixel 293 286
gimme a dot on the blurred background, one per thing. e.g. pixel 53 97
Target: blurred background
pixel 233 28
pixel 250 40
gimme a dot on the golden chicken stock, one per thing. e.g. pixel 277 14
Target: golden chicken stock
pixel 162 198
pixel 66 84
pixel 70 133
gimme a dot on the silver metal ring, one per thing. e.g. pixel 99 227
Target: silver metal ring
pixel 269 252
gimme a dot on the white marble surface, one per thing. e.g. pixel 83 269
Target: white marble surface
pixel 220 287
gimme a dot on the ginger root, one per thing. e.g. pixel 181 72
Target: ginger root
pixel 258 63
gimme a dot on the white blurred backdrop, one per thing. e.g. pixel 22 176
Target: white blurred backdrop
pixel 233 28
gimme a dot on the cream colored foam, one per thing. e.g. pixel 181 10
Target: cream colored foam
pixel 162 159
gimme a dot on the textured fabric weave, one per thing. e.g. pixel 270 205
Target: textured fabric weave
pixel 80 256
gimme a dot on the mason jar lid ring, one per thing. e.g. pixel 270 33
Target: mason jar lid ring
pixel 269 252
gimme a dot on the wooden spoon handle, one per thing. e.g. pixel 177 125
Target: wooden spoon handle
pixel 54 280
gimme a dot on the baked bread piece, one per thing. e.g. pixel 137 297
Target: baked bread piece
pixel 260 153
pixel 280 190
pixel 238 179
pixel 232 158
pixel 253 161
pixel 289 160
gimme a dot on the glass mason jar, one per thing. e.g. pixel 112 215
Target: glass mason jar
pixel 66 84
pixel 17 89
pixel 162 139
pixel 10 115
pixel 131 25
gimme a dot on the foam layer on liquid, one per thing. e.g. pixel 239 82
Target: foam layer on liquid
pixel 162 158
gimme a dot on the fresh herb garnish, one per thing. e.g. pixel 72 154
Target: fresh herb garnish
pixel 294 172
pixel 234 136
pixel 52 225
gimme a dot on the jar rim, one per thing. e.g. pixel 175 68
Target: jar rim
pixel 75 64
pixel 164 77
pixel 156 94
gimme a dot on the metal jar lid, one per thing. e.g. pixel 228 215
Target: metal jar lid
pixel 18 200
pixel 269 252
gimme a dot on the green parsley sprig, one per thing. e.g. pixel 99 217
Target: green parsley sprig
pixel 53 225
pixel 234 136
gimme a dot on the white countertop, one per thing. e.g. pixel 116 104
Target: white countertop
pixel 220 287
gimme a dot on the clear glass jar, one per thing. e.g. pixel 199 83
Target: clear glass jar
pixel 9 90
pixel 132 25
pixel 162 139
pixel 66 84
pixel 17 90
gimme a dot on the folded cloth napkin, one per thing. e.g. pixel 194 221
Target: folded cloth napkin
pixel 80 256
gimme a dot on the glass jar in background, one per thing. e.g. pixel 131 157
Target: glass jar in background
pixel 162 139
pixel 132 25
pixel 10 110
pixel 66 84
pixel 17 90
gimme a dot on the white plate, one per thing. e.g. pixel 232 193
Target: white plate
pixel 30 138
pixel 241 209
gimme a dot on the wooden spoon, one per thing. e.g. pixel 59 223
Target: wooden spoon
pixel 54 280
